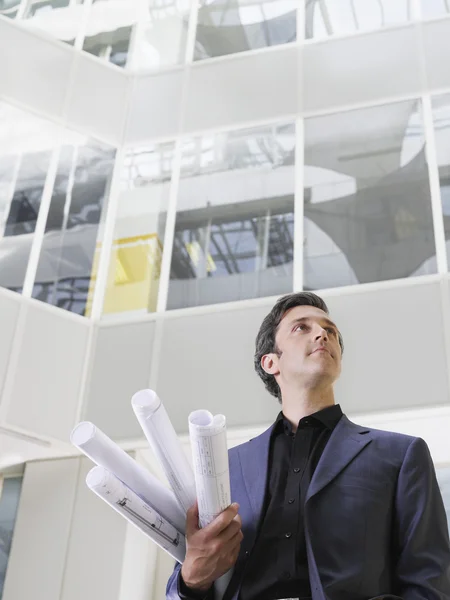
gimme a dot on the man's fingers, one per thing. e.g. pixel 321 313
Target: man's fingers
pixel 192 520
pixel 222 521
pixel 227 534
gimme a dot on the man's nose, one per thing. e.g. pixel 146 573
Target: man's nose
pixel 321 334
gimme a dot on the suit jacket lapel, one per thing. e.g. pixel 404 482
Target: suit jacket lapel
pixel 346 442
pixel 254 458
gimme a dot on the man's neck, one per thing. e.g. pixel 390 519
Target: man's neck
pixel 302 403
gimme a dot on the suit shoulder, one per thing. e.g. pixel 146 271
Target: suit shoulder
pixel 390 439
pixel 232 452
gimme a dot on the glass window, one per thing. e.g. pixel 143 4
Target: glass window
pixel 65 275
pixel 9 8
pixel 441 119
pixel 9 502
pixel 443 477
pixel 235 219
pixel 342 17
pixel 227 27
pixel 26 145
pixel 367 199
pixel 59 18
pixel 160 37
pixel 435 8
pixel 135 265
pixel 109 29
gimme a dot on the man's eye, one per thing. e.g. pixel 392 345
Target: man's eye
pixel 301 327
pixel 331 330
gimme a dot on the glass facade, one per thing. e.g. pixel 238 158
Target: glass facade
pixel 435 8
pixel 135 262
pixel 326 18
pixel 316 193
pixel 65 274
pixel 60 19
pixel 235 217
pixel 441 120
pixel 9 503
pixel 26 145
pixel 152 34
pixel 228 27
pixel 368 213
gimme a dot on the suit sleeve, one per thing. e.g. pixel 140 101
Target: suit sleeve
pixel 422 569
pixel 176 589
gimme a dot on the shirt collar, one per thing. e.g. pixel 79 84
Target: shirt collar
pixel 328 417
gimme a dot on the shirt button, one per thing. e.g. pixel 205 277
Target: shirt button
pixel 247 553
pixel 286 575
pixel 288 535
pixel 291 500
pixel 296 470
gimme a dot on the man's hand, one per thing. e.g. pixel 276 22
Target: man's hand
pixel 211 551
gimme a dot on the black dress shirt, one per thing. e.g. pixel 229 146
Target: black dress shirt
pixel 278 565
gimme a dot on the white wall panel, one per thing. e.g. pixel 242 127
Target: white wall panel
pixel 34 70
pixel 155 106
pixel 121 366
pixel 98 98
pixel 206 361
pixel 394 354
pixel 9 311
pixel 44 396
pixel 37 560
pixel 436 38
pixel 95 547
pixel 242 88
pixel 361 68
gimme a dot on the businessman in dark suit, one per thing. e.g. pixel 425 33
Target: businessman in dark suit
pixel 324 509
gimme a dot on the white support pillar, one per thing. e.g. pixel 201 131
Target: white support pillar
pixel 299 230
pixel 435 188
pixel 44 208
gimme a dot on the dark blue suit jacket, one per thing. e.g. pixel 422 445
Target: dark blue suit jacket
pixel 374 518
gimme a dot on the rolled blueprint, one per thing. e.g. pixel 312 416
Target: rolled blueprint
pixel 163 440
pixel 105 453
pixel 210 457
pixel 123 500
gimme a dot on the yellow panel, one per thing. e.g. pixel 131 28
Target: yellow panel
pixel 133 275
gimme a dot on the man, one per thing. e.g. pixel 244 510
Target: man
pixel 328 510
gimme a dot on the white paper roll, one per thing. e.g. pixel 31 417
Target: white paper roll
pixel 208 436
pixel 164 442
pixel 104 452
pixel 137 511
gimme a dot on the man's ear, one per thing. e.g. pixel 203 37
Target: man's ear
pixel 269 362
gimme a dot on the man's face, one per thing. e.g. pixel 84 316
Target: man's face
pixel 308 346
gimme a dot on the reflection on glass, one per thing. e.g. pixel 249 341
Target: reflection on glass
pixel 443 477
pixel 227 27
pixel 109 29
pixel 65 276
pixel 235 222
pixel 441 119
pixel 9 8
pixel 341 17
pixel 367 198
pixel 135 264
pixel 435 8
pixel 160 38
pixel 59 18
pixel 26 144
pixel 9 503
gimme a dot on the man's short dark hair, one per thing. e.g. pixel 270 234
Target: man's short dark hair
pixel 265 340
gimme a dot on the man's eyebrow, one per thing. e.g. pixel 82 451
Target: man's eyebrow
pixel 303 319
